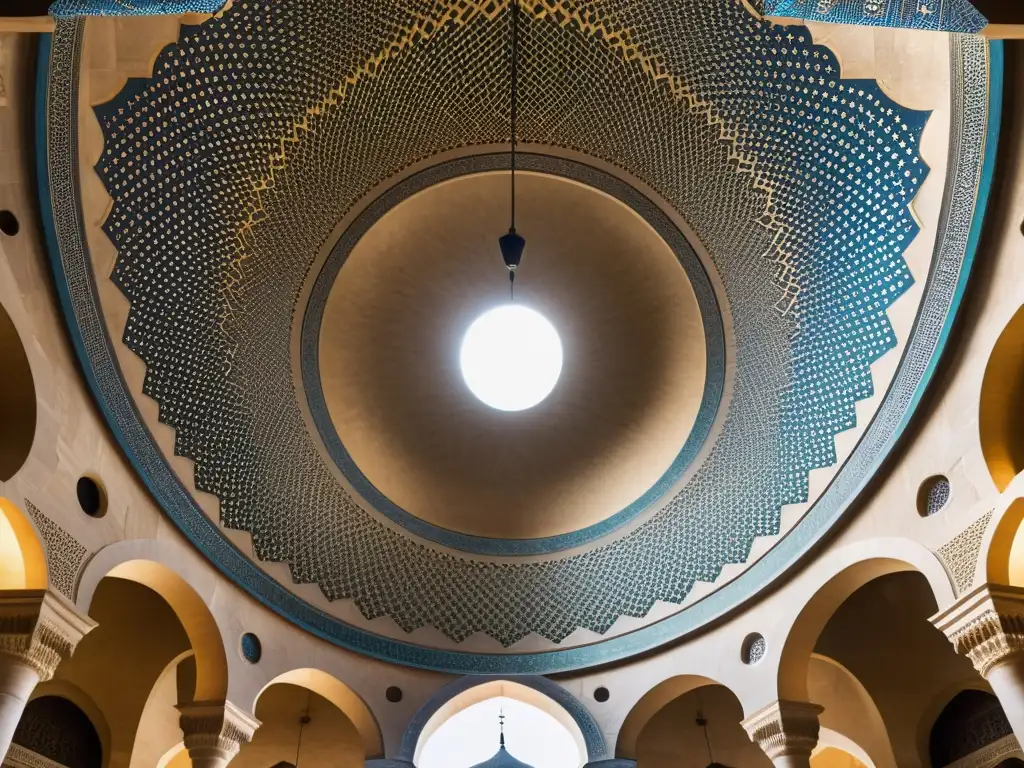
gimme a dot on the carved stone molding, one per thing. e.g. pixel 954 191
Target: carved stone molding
pixel 215 730
pixel 785 728
pixel 40 628
pixel 19 757
pixel 991 755
pixel 986 625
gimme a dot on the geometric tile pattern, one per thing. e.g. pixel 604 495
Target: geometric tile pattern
pixel 935 15
pixel 960 554
pixel 65 8
pixel 259 130
pixel 65 556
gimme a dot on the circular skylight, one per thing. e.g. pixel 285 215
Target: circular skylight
pixel 511 357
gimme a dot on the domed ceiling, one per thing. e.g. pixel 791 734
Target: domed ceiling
pixel 304 200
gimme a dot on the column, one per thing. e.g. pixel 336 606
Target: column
pixel 987 626
pixel 214 732
pixel 787 731
pixel 38 630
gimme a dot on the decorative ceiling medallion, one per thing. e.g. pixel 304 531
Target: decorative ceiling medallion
pixel 797 183
pixel 710 318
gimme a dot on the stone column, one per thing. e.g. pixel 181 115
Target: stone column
pixel 214 732
pixel 987 626
pixel 38 630
pixel 787 731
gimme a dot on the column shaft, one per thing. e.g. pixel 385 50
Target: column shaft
pixel 1007 681
pixel 17 681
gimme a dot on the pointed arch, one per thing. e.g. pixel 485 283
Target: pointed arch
pixel 537 691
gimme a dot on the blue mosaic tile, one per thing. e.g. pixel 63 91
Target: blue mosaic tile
pixel 754 155
pixel 935 15
pixel 68 8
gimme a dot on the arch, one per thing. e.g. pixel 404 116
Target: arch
pixel 649 705
pixel 1002 549
pixel 59 730
pixel 851 721
pixel 969 722
pixel 342 697
pixel 17 400
pixel 931 712
pixel 156 566
pixel 538 691
pixel 840 575
pixel 65 689
pixel 22 556
pixel 1001 410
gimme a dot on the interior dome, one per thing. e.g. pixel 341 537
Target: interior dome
pixel 632 379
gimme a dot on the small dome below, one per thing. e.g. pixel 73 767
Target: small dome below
pixel 502 759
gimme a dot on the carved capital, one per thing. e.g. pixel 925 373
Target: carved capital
pixel 40 628
pixel 215 730
pixel 785 728
pixel 986 625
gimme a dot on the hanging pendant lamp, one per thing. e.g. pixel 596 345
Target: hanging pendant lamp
pixel 512 244
pixel 703 723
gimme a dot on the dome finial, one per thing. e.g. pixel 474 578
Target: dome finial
pixel 501 728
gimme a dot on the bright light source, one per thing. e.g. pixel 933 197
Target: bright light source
pixel 511 357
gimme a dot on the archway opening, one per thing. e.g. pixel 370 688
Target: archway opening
pixel 17 400
pixel 137 636
pixel 22 559
pixel 55 728
pixel 469 732
pixel 700 727
pixel 1001 412
pixel 300 727
pixel 971 722
pixel 890 678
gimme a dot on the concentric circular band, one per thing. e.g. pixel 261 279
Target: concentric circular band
pixel 711 317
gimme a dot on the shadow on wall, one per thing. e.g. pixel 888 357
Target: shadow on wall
pixel 17 400
pixel 1001 413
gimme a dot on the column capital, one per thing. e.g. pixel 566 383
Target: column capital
pixel 215 730
pixel 40 628
pixel 986 625
pixel 785 728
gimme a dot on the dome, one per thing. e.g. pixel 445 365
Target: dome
pixel 502 759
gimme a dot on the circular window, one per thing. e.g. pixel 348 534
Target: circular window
pixel 601 694
pixel 252 648
pixel 754 647
pixel 91 497
pixel 393 694
pixel 9 223
pixel 933 496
